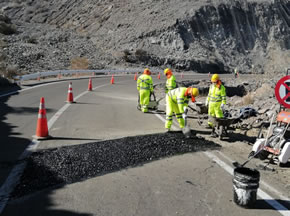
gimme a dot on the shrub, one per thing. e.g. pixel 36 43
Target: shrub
pixel 140 53
pixel 11 72
pixel 248 99
pixel 32 40
pixel 126 53
pixel 79 63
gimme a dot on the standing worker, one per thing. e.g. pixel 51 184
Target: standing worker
pixel 216 100
pixel 236 72
pixel 171 80
pixel 177 102
pixel 145 88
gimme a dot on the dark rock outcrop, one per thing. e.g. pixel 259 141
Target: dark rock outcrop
pixel 202 36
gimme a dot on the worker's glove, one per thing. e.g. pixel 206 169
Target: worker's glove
pixel 222 106
pixel 184 116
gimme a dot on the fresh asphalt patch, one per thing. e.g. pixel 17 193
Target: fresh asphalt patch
pixel 64 165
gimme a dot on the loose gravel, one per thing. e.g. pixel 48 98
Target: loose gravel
pixel 47 168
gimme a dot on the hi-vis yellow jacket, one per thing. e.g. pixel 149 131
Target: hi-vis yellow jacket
pixel 145 82
pixel 177 98
pixel 216 95
pixel 170 83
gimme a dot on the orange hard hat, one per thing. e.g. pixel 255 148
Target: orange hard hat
pixel 167 71
pixel 147 71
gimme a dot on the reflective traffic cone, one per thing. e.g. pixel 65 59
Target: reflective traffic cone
pixel 90 88
pixel 158 75
pixel 41 128
pixel 112 79
pixel 70 97
pixel 135 77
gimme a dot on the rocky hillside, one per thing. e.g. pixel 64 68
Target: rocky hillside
pixel 200 35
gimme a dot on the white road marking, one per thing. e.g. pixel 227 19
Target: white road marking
pixel 29 88
pixel 263 183
pixel 15 174
pixel 41 85
pixel 266 197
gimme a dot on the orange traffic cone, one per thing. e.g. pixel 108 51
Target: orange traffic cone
pixel 181 75
pixel 90 88
pixel 112 79
pixel 41 128
pixel 70 97
pixel 135 77
pixel 158 75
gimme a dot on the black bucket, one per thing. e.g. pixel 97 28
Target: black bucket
pixel 246 184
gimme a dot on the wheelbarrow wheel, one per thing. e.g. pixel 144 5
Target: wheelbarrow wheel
pixel 282 164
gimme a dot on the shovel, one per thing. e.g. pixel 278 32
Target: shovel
pixel 237 164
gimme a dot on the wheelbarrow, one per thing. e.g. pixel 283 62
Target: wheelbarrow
pixel 201 110
pixel 222 125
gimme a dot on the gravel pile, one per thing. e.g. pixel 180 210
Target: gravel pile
pixel 76 163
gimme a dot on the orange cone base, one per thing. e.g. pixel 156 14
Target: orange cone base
pixel 41 138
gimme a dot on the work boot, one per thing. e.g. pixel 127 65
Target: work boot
pixel 168 130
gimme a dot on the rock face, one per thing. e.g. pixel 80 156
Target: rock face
pixel 6 27
pixel 202 36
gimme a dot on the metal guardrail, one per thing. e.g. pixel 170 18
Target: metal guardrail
pixel 70 72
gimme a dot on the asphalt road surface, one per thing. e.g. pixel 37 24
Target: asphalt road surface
pixel 195 183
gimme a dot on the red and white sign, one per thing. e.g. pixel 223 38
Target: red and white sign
pixel 282 91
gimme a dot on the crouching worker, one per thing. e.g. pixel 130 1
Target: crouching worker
pixel 177 102
pixel 216 100
pixel 145 88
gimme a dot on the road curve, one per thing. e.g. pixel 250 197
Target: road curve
pixel 188 184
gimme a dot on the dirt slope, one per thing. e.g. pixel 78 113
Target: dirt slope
pixel 204 35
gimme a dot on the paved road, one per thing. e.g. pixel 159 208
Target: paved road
pixel 190 184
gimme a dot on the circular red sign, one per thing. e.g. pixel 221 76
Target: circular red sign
pixel 282 91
